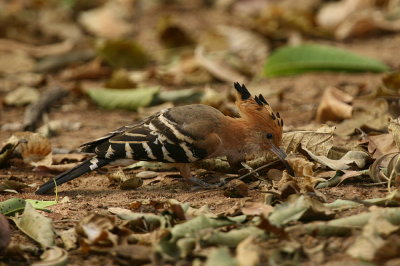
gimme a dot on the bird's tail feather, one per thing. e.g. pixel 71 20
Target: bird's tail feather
pixel 86 166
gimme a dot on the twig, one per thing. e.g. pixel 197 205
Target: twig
pixel 34 112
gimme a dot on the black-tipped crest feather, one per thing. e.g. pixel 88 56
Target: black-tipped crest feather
pixel 244 93
pixel 263 99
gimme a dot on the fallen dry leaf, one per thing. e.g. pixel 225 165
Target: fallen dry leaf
pixel 36 226
pixel 256 208
pixel 368 246
pixel 249 252
pixel 379 145
pixel 352 157
pixel 394 129
pixel 251 47
pixel 100 233
pixel 219 70
pixel 36 51
pixel 370 115
pixel 110 20
pixel 22 96
pixel 334 105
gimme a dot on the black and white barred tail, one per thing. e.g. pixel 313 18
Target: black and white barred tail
pixel 86 166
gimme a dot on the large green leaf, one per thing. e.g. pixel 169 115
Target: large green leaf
pixel 130 99
pixel 310 57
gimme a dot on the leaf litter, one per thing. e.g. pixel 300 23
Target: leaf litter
pixel 342 202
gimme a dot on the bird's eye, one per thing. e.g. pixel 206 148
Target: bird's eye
pixel 269 136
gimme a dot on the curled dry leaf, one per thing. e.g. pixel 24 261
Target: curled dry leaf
pixel 52 257
pixel 250 253
pixel 351 18
pixel 394 129
pixel 393 170
pixel 36 226
pixel 36 51
pixel 371 115
pixel 373 243
pixel 133 254
pixel 69 238
pixel 381 144
pixel 304 181
pixel 256 208
pixel 8 148
pixel 100 233
pixel 352 157
pixel 36 148
pixel 299 207
pixel 381 163
pixel 249 46
pixel 334 105
pixel 110 20
pixel 219 70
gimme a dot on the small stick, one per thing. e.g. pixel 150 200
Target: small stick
pixel 34 112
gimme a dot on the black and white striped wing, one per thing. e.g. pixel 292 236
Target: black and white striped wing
pixel 157 138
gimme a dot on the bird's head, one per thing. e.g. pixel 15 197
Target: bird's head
pixel 266 124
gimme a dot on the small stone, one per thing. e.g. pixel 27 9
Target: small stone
pixel 236 189
pixel 147 174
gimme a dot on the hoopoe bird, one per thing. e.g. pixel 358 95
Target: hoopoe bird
pixel 185 134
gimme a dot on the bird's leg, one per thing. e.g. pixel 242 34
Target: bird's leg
pixel 184 169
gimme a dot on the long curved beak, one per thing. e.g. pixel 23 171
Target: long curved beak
pixel 282 155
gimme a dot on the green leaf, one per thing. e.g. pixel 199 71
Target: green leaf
pixel 41 204
pixel 11 206
pixel 310 57
pixel 14 205
pixel 130 99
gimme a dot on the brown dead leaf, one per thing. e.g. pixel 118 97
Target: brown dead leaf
pixel 250 253
pixel 110 20
pixel 334 105
pixel 319 141
pixel 172 35
pixel 371 244
pixel 133 254
pixel 91 70
pixel 100 233
pixel 35 147
pixel 219 70
pixel 256 208
pixel 394 129
pixel 355 18
pixel 371 115
pixel 358 158
pixel 305 179
pixel 249 46
pixel 379 145
pixel 36 51
pixel 186 70
pixel 15 62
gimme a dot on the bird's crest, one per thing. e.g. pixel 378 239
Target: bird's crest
pixel 247 104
